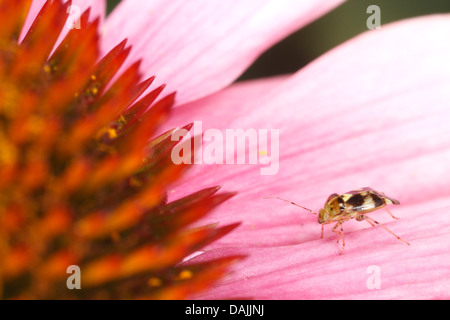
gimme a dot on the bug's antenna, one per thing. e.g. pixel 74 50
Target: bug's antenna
pixel 295 204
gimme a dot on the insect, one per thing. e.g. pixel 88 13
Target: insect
pixel 340 208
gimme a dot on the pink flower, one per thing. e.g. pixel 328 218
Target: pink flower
pixel 372 112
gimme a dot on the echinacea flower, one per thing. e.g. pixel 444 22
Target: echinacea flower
pixel 355 117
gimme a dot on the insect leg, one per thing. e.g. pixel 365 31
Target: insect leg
pixel 341 234
pixel 372 222
pixel 362 217
pixel 291 202
pixel 390 213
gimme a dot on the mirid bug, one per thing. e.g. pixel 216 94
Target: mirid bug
pixel 355 204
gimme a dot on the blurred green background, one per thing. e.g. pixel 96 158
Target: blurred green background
pixel 342 24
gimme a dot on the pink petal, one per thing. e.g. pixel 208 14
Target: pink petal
pixel 221 109
pixel 374 265
pixel 98 9
pixel 200 46
pixel 373 112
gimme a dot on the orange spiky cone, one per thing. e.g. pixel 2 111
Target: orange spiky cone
pixel 84 178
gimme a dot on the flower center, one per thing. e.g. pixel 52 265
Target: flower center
pixel 83 177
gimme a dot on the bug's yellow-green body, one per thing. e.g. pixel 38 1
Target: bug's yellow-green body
pixel 353 204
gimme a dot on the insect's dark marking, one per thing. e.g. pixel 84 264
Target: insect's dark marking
pixel 356 201
pixel 378 201
pixel 341 204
